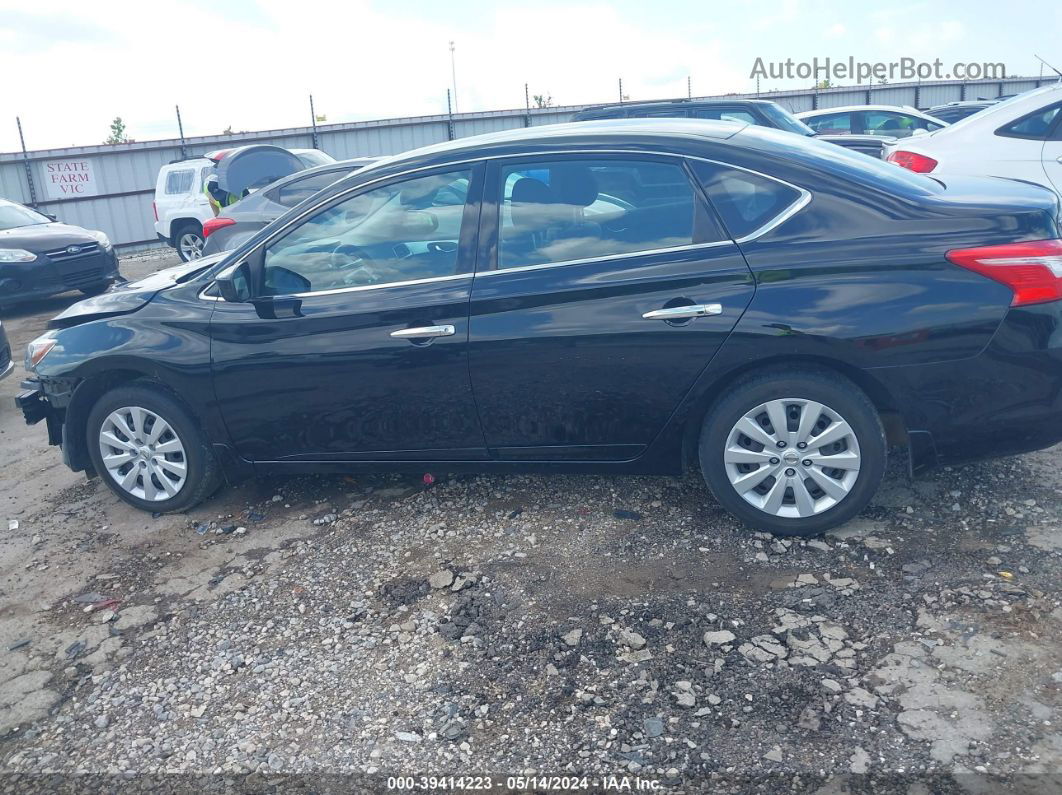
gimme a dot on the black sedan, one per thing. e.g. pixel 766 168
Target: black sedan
pixel 620 296
pixel 40 257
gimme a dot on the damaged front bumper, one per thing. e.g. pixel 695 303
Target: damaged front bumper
pixel 35 407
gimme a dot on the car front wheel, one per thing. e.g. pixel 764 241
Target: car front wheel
pixel 793 452
pixel 148 450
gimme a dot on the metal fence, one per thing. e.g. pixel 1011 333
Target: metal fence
pixel 122 177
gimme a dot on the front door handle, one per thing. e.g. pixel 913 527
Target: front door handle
pixel 423 332
pixel 684 312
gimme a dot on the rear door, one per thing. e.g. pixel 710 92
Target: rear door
pixel 605 287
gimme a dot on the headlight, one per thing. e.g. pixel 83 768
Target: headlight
pixel 39 348
pixel 16 255
pixel 104 240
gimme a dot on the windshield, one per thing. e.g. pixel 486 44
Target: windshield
pixel 784 120
pixel 13 216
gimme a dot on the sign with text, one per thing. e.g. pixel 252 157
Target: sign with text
pixel 69 179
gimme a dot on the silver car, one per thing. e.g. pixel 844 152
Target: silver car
pixel 237 223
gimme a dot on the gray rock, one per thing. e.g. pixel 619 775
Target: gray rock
pixel 572 638
pixel 718 638
pixel 441 579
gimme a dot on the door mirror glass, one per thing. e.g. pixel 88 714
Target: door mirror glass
pixel 234 284
pixel 281 281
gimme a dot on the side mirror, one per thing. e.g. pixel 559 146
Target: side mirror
pixel 50 217
pixel 234 283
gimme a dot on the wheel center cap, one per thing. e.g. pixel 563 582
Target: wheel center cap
pixel 791 457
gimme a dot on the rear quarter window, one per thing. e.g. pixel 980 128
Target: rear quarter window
pixel 300 190
pixel 178 182
pixel 745 201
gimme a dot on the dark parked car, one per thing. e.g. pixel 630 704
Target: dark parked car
pixel 624 297
pixel 762 112
pixel 236 223
pixel 7 362
pixel 40 257
pixel 953 111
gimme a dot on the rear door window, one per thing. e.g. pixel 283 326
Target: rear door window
pixel 833 123
pixel 1036 125
pixel 747 202
pixel 573 209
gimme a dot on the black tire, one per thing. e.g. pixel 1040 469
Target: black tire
pixel 828 388
pixel 203 475
pixel 188 229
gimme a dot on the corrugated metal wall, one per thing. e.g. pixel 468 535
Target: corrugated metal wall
pixel 127 172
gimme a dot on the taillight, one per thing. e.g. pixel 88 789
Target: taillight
pixel 155 209
pixel 214 224
pixel 913 161
pixel 1032 270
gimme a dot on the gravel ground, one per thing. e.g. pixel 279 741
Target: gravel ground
pixel 530 626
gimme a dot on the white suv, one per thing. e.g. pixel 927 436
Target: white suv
pixel 181 207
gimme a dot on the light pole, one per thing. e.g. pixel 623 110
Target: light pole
pixel 453 74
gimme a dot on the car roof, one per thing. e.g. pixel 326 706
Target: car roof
pixel 619 131
pixel 851 108
pixel 686 103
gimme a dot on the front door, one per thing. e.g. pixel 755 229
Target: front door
pixel 356 348
pixel 611 285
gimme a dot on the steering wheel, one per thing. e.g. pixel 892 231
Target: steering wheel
pixel 358 266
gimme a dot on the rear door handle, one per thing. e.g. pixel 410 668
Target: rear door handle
pixel 423 332
pixel 683 312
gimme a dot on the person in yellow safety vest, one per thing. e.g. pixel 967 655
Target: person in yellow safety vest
pixel 218 198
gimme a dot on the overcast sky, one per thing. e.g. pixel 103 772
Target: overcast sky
pixel 67 67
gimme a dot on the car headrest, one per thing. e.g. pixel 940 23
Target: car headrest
pixel 528 197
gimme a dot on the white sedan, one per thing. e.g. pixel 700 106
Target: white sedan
pixel 897 121
pixel 1020 138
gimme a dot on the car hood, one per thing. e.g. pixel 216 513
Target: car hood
pixel 44 237
pixel 128 297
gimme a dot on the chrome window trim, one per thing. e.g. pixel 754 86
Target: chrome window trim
pixel 624 255
pixel 785 215
pixel 364 287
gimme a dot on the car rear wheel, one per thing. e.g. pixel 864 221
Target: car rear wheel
pixel 189 242
pixel 148 450
pixel 793 452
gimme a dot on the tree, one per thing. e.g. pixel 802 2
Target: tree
pixel 824 84
pixel 118 135
pixel 543 100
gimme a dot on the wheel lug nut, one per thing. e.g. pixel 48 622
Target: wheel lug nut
pixel 781 445
pixel 802 445
pixel 806 462
pixel 774 460
pixel 790 472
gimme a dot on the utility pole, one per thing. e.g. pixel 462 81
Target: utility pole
pixel 527 106
pixel 450 117
pixel 180 131
pixel 453 74
pixel 621 90
pixel 26 163
pixel 313 121
pixel 689 87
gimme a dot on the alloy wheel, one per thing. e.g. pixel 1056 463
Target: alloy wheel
pixel 190 245
pixel 792 457
pixel 143 453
